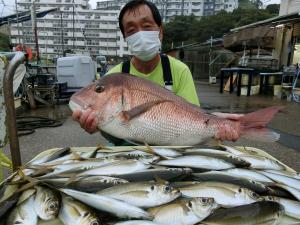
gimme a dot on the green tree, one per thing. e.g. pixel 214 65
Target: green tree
pixel 4 43
pixel 178 30
pixel 273 9
pixel 246 4
pixel 189 29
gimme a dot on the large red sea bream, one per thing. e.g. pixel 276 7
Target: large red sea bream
pixel 139 110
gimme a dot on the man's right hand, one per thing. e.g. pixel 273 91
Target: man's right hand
pixel 87 120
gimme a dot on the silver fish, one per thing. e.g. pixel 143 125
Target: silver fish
pixel 227 195
pixel 226 156
pixel 258 213
pixel 86 184
pixel 286 173
pixel 150 174
pixel 197 161
pixel 133 153
pixel 73 212
pixel 261 162
pixel 46 203
pixel 119 167
pixel 289 181
pixel 142 194
pixel 51 156
pixel 251 174
pixel 23 214
pixel 220 176
pixel 293 191
pixel 184 212
pixel 76 167
pixel 164 152
pixel 113 206
pixel 291 208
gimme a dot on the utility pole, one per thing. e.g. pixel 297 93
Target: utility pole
pixel 34 31
pixel 182 7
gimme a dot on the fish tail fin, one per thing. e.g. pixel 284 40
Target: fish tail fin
pixel 254 125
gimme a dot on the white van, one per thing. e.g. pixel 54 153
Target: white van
pixel 77 71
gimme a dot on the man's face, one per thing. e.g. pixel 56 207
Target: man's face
pixel 139 19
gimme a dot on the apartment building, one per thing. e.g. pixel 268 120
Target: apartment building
pixel 289 6
pixel 211 7
pixel 73 27
pixel 171 8
pixel 77 27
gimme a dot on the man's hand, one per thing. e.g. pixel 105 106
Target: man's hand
pixel 87 120
pixel 225 131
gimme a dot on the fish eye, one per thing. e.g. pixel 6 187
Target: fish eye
pixel 95 223
pixel 190 204
pixel 240 190
pixel 152 187
pixel 254 195
pixel 52 206
pixel 167 188
pixel 99 88
pixel 204 200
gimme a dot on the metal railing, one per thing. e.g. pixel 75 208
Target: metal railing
pixel 16 59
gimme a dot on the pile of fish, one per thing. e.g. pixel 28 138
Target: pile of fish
pixel 146 185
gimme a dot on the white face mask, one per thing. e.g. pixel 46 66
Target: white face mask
pixel 144 44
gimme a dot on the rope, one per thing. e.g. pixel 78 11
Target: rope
pixel 27 124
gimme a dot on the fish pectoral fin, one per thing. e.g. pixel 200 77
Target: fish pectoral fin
pixel 126 116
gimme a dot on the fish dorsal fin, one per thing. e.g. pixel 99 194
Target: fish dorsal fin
pixel 139 110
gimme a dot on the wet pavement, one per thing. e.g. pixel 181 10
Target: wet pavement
pixel 287 149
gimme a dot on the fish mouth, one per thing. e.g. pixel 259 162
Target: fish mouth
pixel 76 105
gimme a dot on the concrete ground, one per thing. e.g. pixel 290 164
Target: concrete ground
pixel 286 150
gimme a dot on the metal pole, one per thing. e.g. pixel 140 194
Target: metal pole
pixel 34 30
pixel 10 109
pixel 9 30
pixel 17 13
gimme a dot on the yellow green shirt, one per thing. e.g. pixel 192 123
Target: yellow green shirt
pixel 183 83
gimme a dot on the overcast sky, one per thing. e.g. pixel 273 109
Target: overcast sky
pixel 8 7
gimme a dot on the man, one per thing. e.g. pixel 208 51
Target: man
pixel 141 26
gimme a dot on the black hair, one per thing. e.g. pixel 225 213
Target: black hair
pixel 132 5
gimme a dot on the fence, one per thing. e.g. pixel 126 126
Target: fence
pixel 204 62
